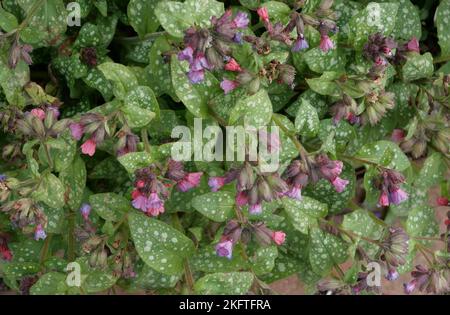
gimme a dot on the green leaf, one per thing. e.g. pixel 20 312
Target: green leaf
pixel 50 191
pixel 376 17
pixel 264 259
pixel 13 80
pixel 123 79
pixel 375 153
pixel 110 206
pixel 26 251
pixel 304 213
pixel 55 219
pixel 418 67
pixel 224 283
pixel 158 244
pixel 98 281
pixel 143 97
pixel 142 17
pixel 137 117
pixel 431 172
pixel 206 260
pixel 194 96
pixel 176 17
pixel 443 25
pixel 307 120
pixel 408 23
pixel 135 160
pixel 217 206
pixel 326 250
pixel 421 222
pixel 325 84
pixel 363 223
pixel 74 179
pixel 50 284
pixel 319 61
pixel 278 11
pixel 254 110
pixel 20 269
pixel 148 279
pixel 8 21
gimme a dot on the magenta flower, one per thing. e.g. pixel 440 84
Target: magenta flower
pixel 76 129
pixel 232 65
pixel 413 45
pixel 397 196
pixel 398 135
pixel 85 210
pixel 383 201
pixel 300 44
pixel 241 20
pixel 189 181
pixel 216 182
pixel 38 113
pixel 89 147
pixel 186 54
pixel 279 237
pixel 39 233
pixel 326 43
pixel 155 205
pixel 392 274
pixel 241 199
pixel 271 140
pixel 255 209
pixel 263 14
pixel 332 169
pixel 228 85
pixel 339 184
pixel 140 202
pixel 295 192
pixel 224 248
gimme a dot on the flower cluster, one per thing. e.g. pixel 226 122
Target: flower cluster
pixel 389 184
pixel 92 124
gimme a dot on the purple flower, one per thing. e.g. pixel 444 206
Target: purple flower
pixel 295 192
pixel 241 20
pixel 3 177
pixel 189 181
pixel 300 44
pixel 228 85
pixel 392 274
pixel 155 205
pixel 255 209
pixel 39 233
pixel 216 182
pixel 186 54
pixel 200 63
pixel 196 76
pixel 410 286
pixel 326 43
pixel 224 248
pixel 76 130
pixel 85 210
pixel 339 184
pixel 237 38
pixel 397 196
pixel 140 202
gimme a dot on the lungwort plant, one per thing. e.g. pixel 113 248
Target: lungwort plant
pixel 352 97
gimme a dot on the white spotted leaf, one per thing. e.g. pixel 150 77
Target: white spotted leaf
pixel 217 206
pixel 375 152
pixel 254 110
pixel 224 283
pixel 304 214
pixel 307 120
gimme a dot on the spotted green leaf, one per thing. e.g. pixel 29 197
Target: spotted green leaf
pixel 159 245
pixel 254 110
pixel 307 121
pixel 136 160
pixel 431 172
pixel 8 21
pixel 141 14
pixel 98 281
pixel 110 206
pixel 375 152
pixel 20 269
pixel 442 22
pixel 207 260
pixel 224 283
pixel 417 67
pixel 217 206
pixel 50 191
pixel 144 98
pixel 421 222
pixel 326 250
pixel 278 11
pixel 49 284
pixel 264 259
pixel 408 23
pixel 325 84
pixel 319 61
pixel 147 278
pixel 122 78
pixel 304 214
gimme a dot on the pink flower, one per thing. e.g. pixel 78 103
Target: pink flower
pixel 263 14
pixel 140 202
pixel 39 233
pixel 331 169
pixel 241 20
pixel 232 65
pixel 224 248
pixel 380 61
pixel 413 45
pixel 397 196
pixel 38 113
pixel 196 76
pixel 189 181
pixel 89 147
pixel 339 184
pixel 398 135
pixel 442 201
pixel 154 204
pixel 383 201
pixel 5 251
pixel 228 85
pixel 326 43
pixel 241 199
pixel 216 182
pixel 295 192
pixel 255 209
pixel 85 210
pixel 392 274
pixel 387 51
pixel 279 237
pixel 200 63
pixel 155 211
pixel 76 130
pixel 186 54
pixel 271 140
